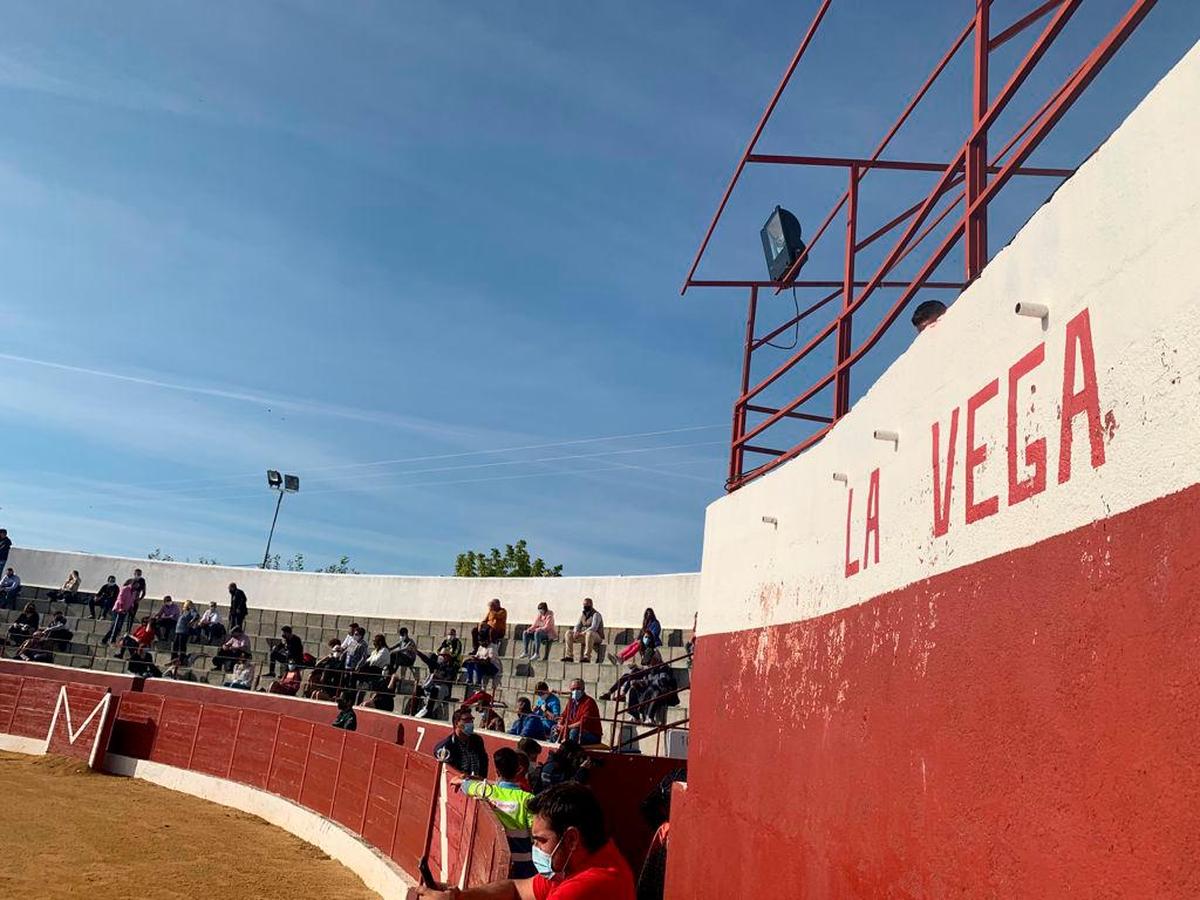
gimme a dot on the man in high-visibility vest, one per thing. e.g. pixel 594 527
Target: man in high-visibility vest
pixel 511 805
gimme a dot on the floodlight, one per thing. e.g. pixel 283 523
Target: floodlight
pixel 781 242
pixel 274 479
pixel 291 483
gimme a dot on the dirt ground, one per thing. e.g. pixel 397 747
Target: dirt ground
pixel 66 832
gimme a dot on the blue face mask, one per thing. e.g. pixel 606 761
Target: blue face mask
pixel 544 862
pixel 468 727
pixel 577 695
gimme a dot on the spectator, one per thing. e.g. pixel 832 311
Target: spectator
pixel 532 751
pixel 463 749
pixel 243 675
pixel 140 638
pixel 529 724
pixel 106 597
pixel 346 717
pixel 588 631
pixel 510 802
pixel 141 663
pixel 70 589
pixel 237 606
pixel 183 627
pixel 581 719
pixel 121 613
pixel 288 684
pixel 58 631
pixel 649 696
pixel 235 648
pixel 927 313
pixel 354 653
pixel 10 589
pixel 542 631
pixel 547 705
pixel 35 648
pixel 139 592
pixel 489 719
pixel 448 653
pixel 326 676
pixel 372 674
pixel 637 671
pixel 24 626
pixel 485 663
pixel 404 654
pixel 572 853
pixel 568 762
pixel 210 628
pixel 290 649
pixel 649 634
pixel 656 810
pixel 5 547
pixel 495 621
pixel 163 621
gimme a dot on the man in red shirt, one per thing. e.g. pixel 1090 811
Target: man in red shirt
pixel 580 721
pixel 572 852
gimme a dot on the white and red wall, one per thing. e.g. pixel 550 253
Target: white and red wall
pixel 974 667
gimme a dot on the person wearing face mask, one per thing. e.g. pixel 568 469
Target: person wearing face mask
pixel 588 631
pixel 580 721
pixel 572 852
pixel 464 750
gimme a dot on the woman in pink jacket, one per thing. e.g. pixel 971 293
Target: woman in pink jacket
pixel 120 613
pixel 542 631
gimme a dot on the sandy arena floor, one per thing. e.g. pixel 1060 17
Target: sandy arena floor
pixel 66 832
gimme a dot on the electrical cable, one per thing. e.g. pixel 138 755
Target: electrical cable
pixel 796 332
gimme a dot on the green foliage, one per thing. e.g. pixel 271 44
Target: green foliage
pixel 514 562
pixel 157 554
pixel 341 567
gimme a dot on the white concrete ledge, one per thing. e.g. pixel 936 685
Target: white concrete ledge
pixel 15 744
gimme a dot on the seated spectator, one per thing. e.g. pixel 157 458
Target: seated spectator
pixel 35 648
pixel 235 648
pixel 484 664
pixel 532 751
pixel 354 649
pixel 650 634
pixel 69 592
pixel 326 677
pixel 489 719
pixel 542 631
pixel 528 723
pixel 290 649
pixel 495 621
pixel 447 655
pixel 141 662
pixel 243 676
pixel 25 625
pixel 572 853
pixel 509 801
pixel 163 621
pixel 404 654
pixel 547 705
pixel 210 629
pixel 637 671
pixel 10 589
pixel 580 721
pixel 650 695
pixel 346 717
pixel 588 631
pixel 58 631
pixel 568 762
pixel 463 749
pixel 188 617
pixel 105 597
pixel 140 638
pixel 122 613
pixel 288 683
pixel 436 687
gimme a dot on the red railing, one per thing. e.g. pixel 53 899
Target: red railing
pixel 981 180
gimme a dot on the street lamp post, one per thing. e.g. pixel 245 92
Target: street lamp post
pixel 282 484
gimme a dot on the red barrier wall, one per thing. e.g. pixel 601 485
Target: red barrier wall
pixel 1023 727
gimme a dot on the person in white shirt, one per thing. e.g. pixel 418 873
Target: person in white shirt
pixel 243 676
pixel 483 664
pixel 10 590
pixel 210 628
pixel 588 631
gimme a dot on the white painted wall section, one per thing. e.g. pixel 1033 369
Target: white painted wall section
pixel 1121 240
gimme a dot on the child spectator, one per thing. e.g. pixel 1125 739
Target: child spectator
pixel 510 802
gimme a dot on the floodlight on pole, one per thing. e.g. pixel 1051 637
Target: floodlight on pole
pixel 281 484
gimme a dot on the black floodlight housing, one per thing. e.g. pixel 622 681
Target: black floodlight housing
pixel 781 242
pixel 291 483
pixel 274 479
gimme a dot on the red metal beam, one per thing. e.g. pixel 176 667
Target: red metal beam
pixel 762 123
pixel 844 162
pixel 1021 24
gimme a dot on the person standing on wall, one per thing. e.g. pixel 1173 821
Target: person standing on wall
pixel 139 593
pixel 237 606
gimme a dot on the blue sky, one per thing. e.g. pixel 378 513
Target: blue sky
pixel 427 256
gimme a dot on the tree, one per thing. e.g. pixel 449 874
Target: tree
pixel 341 567
pixel 514 562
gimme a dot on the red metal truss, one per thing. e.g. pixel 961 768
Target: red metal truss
pixel 966 185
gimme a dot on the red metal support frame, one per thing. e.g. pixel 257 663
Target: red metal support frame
pixel 981 179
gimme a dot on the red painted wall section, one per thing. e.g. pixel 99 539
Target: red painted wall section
pixel 1024 727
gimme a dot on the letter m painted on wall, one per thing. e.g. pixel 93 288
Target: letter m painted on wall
pixel 82 723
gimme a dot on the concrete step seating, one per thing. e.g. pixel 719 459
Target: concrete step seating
pixel 518 678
